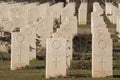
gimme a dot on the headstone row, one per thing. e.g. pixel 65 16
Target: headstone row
pixel 40 26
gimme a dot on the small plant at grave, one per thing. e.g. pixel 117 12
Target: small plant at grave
pixel 41 54
pixel 24 68
pixel 56 24
pixel 82 44
pixel 82 64
pixel 1 57
pixel 4 56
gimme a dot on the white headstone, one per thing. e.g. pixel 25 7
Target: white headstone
pixel 20 50
pixel 82 14
pixel 55 10
pixel 33 15
pixel 97 8
pixel 4 11
pixel 18 12
pixel 43 9
pixel 55 57
pixel 44 29
pixel 101 52
pixel 68 11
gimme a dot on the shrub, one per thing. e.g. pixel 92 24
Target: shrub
pixel 82 44
pixel 82 64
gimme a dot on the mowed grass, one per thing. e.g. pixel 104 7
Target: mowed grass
pixel 39 73
pixel 36 70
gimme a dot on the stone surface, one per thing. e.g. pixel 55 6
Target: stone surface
pixel 95 21
pixel 97 8
pixel 32 42
pixel 68 11
pixel 33 15
pixel 108 11
pixel 67 31
pixel 4 11
pixel 32 29
pixel 20 50
pixel 55 10
pixel 43 9
pixel 44 29
pixel 112 12
pixel 55 57
pixel 82 14
pixel 101 52
pixel 18 12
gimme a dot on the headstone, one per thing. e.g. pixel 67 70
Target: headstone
pixel 116 13
pixel 44 29
pixel 82 15
pixel 4 11
pixel 32 11
pixel 43 9
pixel 101 52
pixel 67 31
pixel 13 24
pixel 97 8
pixel 55 10
pixel 95 21
pixel 112 12
pixel 32 29
pixel 32 42
pixel 20 50
pixel 55 57
pixel 68 11
pixel 108 11
pixel 18 12
pixel 33 15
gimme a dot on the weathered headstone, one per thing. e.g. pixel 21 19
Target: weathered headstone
pixel 112 12
pixel 82 16
pixel 32 12
pixel 32 29
pixel 18 12
pixel 101 52
pixel 55 57
pixel 4 11
pixel 55 10
pixel 43 9
pixel 68 11
pixel 67 31
pixel 20 50
pixel 95 21
pixel 44 29
pixel 108 11
pixel 97 8
pixel 33 15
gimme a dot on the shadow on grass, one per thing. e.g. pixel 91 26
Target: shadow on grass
pixel 38 67
pixel 4 59
pixel 116 50
pixel 41 57
pixel 116 76
pixel 79 75
pixel 32 68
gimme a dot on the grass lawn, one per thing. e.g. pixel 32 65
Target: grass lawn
pixel 37 72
